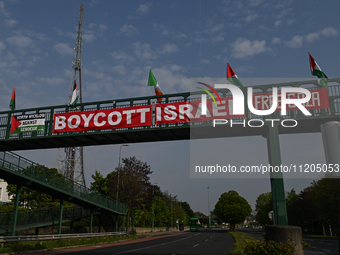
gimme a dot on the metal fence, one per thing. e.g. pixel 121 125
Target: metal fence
pixel 5 239
pixel 28 169
pixel 33 218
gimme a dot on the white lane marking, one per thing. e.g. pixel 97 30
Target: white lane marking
pixel 195 245
pixel 206 240
pixel 152 246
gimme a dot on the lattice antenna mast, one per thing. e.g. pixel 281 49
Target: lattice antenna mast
pixel 76 65
pixel 70 161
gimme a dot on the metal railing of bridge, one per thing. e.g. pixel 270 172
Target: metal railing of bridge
pixel 21 166
pixel 42 217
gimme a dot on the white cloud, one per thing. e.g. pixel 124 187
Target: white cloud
pixel 3 10
pixel 168 48
pixel 63 49
pixel 214 29
pixel 277 23
pixel 311 37
pixel 96 75
pixel 88 37
pixel 102 27
pixel 245 48
pixel 255 2
pixel 143 9
pixel 296 41
pixel 175 67
pixel 10 22
pixel 291 21
pixel 205 61
pixel 329 31
pixel 20 41
pixel 119 69
pixel 52 81
pixel 217 38
pixel 143 51
pixel 120 55
pixel 251 17
pixel 162 28
pixel 276 40
pixel 129 30
pixel 179 35
pixel 2 46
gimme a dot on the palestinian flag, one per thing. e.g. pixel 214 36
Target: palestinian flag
pixel 74 98
pixel 153 82
pixel 12 103
pixel 232 77
pixel 28 123
pixel 316 71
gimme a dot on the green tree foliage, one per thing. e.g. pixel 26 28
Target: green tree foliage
pixel 313 208
pixel 263 205
pixel 326 193
pixel 135 190
pixel 187 209
pixel 34 199
pixel 199 215
pixel 232 208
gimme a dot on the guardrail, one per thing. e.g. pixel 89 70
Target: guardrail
pixel 5 239
pixel 33 171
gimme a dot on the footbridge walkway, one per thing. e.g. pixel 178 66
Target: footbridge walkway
pixel 23 172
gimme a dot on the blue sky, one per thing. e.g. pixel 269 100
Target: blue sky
pixel 179 40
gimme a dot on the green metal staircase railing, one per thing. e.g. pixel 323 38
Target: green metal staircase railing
pixel 19 170
pixel 40 218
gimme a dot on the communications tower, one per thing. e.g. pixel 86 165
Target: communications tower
pixel 70 161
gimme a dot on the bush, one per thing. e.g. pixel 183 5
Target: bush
pixel 271 247
pixel 6 250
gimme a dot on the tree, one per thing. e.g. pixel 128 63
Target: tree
pixel 134 188
pixel 187 209
pixel 232 208
pixel 199 214
pixel 293 203
pixel 35 199
pixel 263 205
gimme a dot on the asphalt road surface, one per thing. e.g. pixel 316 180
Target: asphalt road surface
pixel 211 242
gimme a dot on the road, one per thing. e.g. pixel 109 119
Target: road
pixel 319 246
pixel 210 242
pixel 322 246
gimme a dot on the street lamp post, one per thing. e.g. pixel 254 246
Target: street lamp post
pixel 153 204
pixel 208 209
pixel 120 152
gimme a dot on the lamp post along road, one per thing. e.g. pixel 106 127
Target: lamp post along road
pixel 208 209
pixel 153 204
pixel 120 152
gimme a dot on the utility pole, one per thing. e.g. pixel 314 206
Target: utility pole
pixel 208 209
pixel 70 160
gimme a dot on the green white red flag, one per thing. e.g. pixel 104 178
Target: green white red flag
pixel 75 93
pixel 12 103
pixel 232 77
pixel 316 71
pixel 153 83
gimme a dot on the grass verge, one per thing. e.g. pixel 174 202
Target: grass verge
pixel 12 247
pixel 241 241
